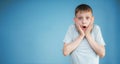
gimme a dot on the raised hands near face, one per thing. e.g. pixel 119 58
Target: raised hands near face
pixel 84 30
pixel 79 29
pixel 89 28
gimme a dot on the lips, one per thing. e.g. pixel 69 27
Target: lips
pixel 84 26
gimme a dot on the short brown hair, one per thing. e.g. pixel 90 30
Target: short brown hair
pixel 83 7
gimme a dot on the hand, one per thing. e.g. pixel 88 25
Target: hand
pixel 89 29
pixel 80 30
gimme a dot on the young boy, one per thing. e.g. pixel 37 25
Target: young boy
pixel 83 40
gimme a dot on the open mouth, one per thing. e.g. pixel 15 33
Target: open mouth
pixel 84 26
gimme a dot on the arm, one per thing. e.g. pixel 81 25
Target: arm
pixel 68 48
pixel 99 49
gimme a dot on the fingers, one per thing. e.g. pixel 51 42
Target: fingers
pixel 89 29
pixel 76 25
pixel 90 25
pixel 79 28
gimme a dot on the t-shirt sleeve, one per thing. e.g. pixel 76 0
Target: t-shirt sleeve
pixel 68 36
pixel 99 38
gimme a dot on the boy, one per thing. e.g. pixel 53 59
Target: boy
pixel 83 40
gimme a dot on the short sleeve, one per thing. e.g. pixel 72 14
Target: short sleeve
pixel 68 35
pixel 99 38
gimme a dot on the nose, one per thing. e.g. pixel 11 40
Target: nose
pixel 83 21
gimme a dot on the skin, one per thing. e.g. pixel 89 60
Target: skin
pixel 84 24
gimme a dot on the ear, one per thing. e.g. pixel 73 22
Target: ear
pixel 92 19
pixel 74 19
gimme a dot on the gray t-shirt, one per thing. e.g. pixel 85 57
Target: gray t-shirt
pixel 84 54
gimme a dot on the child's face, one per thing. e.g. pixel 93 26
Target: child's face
pixel 84 19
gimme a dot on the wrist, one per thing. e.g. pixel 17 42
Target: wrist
pixel 81 36
pixel 87 35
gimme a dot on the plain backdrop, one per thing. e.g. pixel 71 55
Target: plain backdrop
pixel 32 31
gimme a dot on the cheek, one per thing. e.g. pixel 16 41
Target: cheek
pixel 88 23
pixel 78 22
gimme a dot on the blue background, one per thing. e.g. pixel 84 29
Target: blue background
pixel 32 32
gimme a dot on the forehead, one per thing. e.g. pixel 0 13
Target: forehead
pixel 84 13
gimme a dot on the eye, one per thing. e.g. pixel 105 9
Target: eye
pixel 87 18
pixel 79 18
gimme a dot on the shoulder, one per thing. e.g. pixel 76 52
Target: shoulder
pixel 96 27
pixel 72 27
